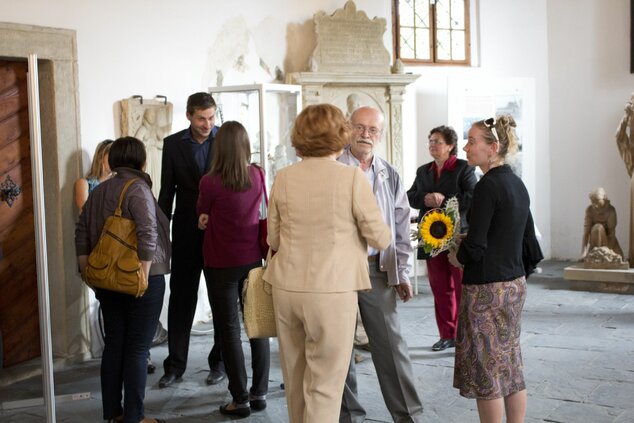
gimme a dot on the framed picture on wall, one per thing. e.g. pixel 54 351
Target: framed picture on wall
pixel 473 99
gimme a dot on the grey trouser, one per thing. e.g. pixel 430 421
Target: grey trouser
pixel 389 354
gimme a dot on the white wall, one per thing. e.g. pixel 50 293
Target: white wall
pixel 589 85
pixel 576 51
pixel 513 43
pixel 150 47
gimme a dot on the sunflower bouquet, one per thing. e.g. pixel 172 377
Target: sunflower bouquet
pixel 438 228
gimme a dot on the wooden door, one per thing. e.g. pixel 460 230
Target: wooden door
pixel 19 318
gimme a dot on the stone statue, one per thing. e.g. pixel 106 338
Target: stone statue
pixel 625 143
pixel 352 104
pixel 600 224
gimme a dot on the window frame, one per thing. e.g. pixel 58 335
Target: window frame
pixel 433 61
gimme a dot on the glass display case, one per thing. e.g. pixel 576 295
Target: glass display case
pixel 268 112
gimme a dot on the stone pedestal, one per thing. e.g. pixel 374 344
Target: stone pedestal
pixel 615 281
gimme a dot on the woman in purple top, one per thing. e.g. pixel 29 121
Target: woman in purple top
pixel 228 208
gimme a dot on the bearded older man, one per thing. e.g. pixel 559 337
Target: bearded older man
pixel 389 269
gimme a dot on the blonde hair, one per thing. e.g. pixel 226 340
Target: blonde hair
pixel 320 130
pixel 504 134
pixel 97 161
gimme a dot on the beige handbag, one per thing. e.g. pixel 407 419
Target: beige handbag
pixel 257 297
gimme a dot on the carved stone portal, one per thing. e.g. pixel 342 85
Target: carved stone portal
pixel 150 121
pixel 351 59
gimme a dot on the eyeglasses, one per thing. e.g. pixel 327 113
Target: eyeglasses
pixel 435 142
pixel 372 130
pixel 490 123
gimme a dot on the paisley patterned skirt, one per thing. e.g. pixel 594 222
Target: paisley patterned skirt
pixel 488 356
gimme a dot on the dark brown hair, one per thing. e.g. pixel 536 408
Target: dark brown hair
pixel 200 101
pixel 231 155
pixel 320 130
pixel 127 152
pixel 449 135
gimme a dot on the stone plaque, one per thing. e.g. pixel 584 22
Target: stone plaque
pixel 150 121
pixel 348 41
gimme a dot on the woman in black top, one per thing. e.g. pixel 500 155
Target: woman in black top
pixel 445 177
pixel 488 363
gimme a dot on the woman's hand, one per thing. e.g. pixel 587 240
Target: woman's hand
pixel 434 199
pixel 453 258
pixel 83 262
pixel 203 219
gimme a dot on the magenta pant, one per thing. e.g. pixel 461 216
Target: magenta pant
pixel 446 285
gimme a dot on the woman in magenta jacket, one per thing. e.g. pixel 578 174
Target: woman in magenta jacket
pixel 228 208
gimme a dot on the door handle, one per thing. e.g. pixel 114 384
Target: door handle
pixel 9 191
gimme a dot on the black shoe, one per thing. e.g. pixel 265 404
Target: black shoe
pixel 168 379
pixel 443 344
pixel 151 368
pixel 233 409
pixel 257 403
pixel 215 376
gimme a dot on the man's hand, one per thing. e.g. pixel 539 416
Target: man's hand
pixel 203 219
pixel 404 291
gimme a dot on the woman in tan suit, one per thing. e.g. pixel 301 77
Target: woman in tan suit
pixel 322 216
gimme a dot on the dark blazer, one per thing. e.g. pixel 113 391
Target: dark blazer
pixel 180 177
pixel 458 182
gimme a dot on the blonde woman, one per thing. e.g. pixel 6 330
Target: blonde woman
pixel 99 172
pixel 488 362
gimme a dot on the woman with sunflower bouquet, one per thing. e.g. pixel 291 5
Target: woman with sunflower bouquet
pixel 488 362
pixel 436 182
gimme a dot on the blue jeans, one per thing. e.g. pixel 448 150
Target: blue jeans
pixel 225 290
pixel 129 326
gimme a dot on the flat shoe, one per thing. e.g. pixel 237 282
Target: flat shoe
pixel 232 409
pixel 443 344
pixel 257 403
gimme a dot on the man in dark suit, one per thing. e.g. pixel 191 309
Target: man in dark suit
pixel 186 158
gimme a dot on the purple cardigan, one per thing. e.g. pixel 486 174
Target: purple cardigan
pixel 231 237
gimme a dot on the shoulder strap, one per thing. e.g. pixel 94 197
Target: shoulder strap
pixel 266 198
pixel 117 212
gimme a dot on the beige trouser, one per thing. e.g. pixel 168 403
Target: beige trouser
pixel 315 334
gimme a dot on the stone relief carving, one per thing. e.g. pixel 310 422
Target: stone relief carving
pixel 150 121
pixel 352 104
pixel 351 59
pixel 347 38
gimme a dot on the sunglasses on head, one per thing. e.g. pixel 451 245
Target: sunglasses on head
pixel 490 123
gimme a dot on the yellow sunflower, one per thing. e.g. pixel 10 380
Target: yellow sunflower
pixel 436 228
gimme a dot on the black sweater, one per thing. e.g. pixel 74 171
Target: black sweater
pixel 498 219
